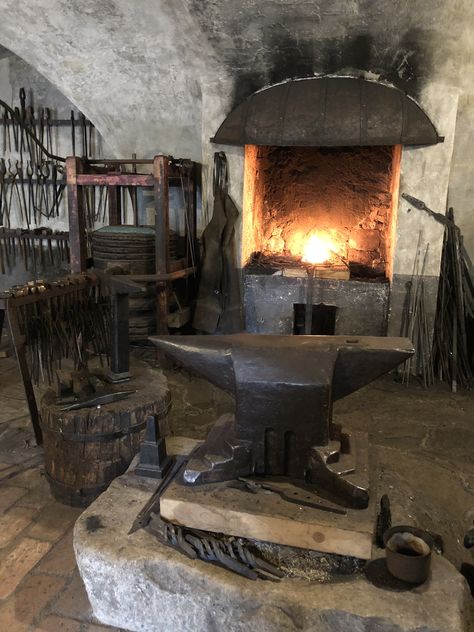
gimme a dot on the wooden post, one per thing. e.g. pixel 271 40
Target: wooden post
pixel 77 224
pixel 115 206
pixel 2 321
pixel 162 254
pixel 191 214
pixel 20 351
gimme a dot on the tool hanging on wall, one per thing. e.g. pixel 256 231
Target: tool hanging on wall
pixel 32 178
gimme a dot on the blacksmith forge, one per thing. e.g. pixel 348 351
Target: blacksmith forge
pixel 284 387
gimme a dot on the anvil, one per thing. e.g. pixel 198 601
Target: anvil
pixel 284 388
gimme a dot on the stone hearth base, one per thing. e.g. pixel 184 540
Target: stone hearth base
pixel 134 582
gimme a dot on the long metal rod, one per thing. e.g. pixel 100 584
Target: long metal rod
pixel 308 317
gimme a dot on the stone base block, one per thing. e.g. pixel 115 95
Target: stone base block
pixel 135 583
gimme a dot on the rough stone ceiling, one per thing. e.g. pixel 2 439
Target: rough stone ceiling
pixel 403 40
pixel 125 63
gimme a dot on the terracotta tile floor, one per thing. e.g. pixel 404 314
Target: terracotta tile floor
pixel 40 587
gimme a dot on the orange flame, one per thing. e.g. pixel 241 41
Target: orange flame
pixel 317 250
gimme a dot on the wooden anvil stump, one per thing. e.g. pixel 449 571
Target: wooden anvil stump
pixel 284 388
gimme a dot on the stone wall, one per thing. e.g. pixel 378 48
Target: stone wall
pixel 156 76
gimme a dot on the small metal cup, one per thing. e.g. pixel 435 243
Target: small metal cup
pixel 413 569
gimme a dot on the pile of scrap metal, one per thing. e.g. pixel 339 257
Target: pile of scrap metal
pixel 454 327
pixel 232 553
pixel 452 357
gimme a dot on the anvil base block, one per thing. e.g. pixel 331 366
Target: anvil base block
pixel 338 470
pixel 265 516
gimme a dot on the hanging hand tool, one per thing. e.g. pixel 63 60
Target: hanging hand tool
pixel 49 137
pixel 42 196
pixel 89 123
pixel 26 207
pixel 30 125
pixel 45 173
pixel 15 125
pixel 82 121
pixel 41 121
pixel 73 133
pixel 4 122
pixel 22 121
pixel 54 179
pixel 2 260
pixel 22 96
pixel 4 211
pixel 31 202
pixel 13 186
pixel 6 250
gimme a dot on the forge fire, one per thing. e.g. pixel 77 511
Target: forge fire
pixel 321 206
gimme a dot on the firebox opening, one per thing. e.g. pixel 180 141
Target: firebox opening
pixel 321 205
pixel 323 319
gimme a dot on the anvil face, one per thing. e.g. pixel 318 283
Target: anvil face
pixel 284 387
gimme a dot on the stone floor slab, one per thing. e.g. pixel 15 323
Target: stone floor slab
pixel 10 495
pixel 13 522
pixel 19 562
pixel 53 521
pixel 52 623
pixel 74 603
pixel 61 559
pixel 35 593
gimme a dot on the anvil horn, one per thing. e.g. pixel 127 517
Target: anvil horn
pixel 207 356
pixel 357 365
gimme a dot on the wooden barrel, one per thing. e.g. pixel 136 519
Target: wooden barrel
pixel 84 450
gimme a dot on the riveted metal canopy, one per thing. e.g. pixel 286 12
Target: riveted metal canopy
pixel 328 112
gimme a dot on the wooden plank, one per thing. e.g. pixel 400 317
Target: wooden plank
pixel 115 206
pixel 320 272
pixel 162 254
pixel 328 272
pixel 116 179
pixel 265 516
pixel 169 276
pixel 20 351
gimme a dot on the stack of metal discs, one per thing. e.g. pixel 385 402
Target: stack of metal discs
pixel 131 250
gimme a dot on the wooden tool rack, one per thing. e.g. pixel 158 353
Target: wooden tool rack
pixel 9 307
pixel 166 171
